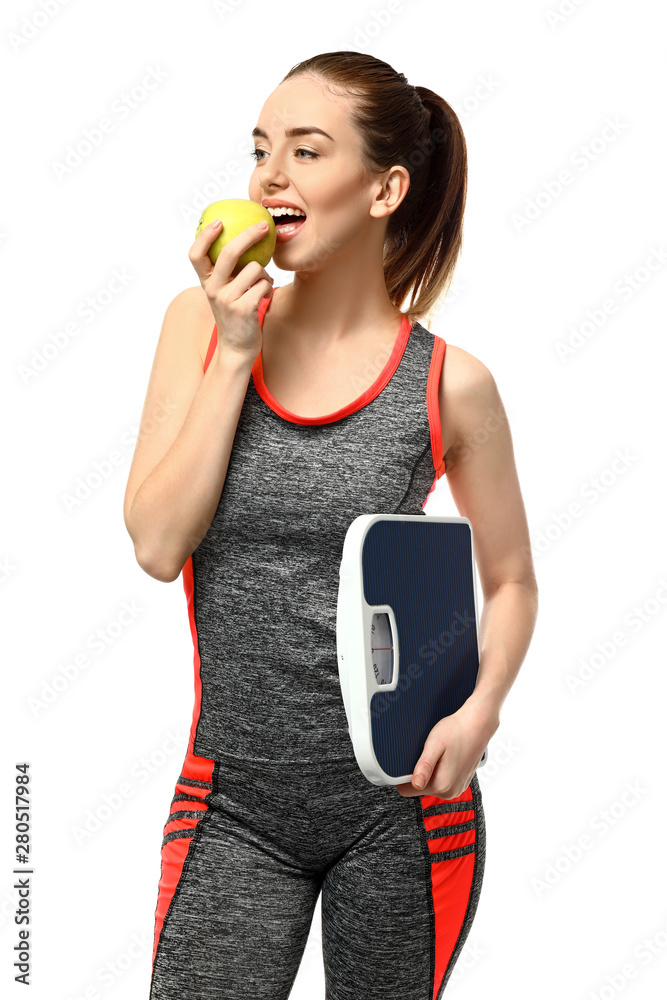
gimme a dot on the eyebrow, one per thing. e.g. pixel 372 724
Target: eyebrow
pixel 300 130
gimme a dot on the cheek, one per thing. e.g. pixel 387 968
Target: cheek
pixel 338 205
pixel 338 193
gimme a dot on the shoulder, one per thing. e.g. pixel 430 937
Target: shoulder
pixel 467 393
pixel 193 303
pixel 463 373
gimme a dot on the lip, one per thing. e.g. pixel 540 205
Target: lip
pixel 285 237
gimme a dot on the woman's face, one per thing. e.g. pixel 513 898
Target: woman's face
pixel 321 174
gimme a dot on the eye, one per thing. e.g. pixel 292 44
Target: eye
pixel 258 153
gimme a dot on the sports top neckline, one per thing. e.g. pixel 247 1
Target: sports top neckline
pixel 373 390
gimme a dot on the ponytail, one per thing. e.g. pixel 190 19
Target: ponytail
pixel 416 128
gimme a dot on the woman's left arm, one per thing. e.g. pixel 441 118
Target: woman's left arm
pixel 483 481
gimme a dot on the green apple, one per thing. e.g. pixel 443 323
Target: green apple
pixel 236 214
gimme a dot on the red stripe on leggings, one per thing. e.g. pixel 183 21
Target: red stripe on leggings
pixel 195 767
pixel 451 880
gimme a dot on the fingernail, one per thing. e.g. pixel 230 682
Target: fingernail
pixel 418 781
pixel 262 225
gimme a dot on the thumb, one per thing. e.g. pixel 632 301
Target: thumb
pixel 422 772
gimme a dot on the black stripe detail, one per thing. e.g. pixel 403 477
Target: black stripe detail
pixel 186 814
pixel 447 831
pixel 182 780
pixel 181 796
pixel 195 835
pixel 458 852
pixel 178 834
pixel 449 807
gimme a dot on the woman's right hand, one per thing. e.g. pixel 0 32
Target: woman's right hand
pixel 234 300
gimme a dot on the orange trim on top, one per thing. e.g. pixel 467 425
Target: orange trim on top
pixel 212 344
pixel 370 393
pixel 375 389
pixel 433 406
pixel 188 586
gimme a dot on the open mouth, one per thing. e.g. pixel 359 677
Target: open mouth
pixel 286 223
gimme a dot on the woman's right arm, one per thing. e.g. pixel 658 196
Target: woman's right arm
pixel 189 418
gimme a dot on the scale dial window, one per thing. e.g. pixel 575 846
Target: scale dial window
pixel 382 647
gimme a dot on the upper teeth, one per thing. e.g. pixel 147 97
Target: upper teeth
pixel 285 211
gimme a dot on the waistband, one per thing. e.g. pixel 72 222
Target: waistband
pixel 309 765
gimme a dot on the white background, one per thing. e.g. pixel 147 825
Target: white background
pixel 535 91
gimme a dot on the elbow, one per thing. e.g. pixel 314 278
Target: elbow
pixel 534 601
pixel 155 564
pixel 158 568
pixel 164 575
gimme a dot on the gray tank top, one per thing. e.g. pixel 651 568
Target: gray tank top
pixel 262 585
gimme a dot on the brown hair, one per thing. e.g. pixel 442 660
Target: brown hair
pixel 414 127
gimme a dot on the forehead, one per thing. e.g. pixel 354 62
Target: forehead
pixel 306 100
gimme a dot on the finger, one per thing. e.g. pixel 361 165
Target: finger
pixel 230 253
pixel 253 278
pixel 198 252
pixel 441 777
pixel 406 790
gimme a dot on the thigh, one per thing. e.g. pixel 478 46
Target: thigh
pixel 234 911
pixel 398 905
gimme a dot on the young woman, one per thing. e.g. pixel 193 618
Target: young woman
pixel 290 412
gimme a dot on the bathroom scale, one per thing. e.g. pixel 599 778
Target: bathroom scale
pixel 407 635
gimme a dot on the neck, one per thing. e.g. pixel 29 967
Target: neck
pixel 338 301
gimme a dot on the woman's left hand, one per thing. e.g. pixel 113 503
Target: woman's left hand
pixel 452 751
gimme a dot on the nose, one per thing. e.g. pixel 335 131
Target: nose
pixel 272 187
pixel 272 175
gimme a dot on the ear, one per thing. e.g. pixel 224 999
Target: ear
pixel 391 191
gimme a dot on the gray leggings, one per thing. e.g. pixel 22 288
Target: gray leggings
pixel 248 848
